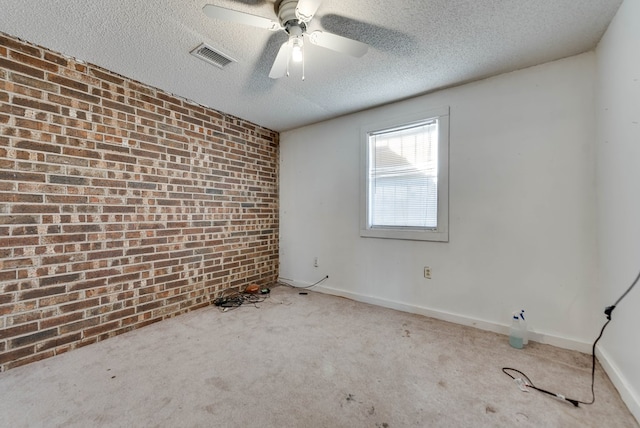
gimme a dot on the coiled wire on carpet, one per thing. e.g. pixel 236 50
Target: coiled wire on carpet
pixel 233 299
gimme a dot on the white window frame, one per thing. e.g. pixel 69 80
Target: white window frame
pixel 441 232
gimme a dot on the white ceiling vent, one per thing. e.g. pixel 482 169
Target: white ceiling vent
pixel 212 56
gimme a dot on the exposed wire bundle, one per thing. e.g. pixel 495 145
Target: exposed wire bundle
pixel 233 299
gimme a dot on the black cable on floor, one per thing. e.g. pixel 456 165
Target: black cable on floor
pixel 308 286
pixel 528 383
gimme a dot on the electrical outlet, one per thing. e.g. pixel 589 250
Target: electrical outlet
pixel 427 272
pixel 315 262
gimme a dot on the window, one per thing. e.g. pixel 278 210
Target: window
pixel 405 178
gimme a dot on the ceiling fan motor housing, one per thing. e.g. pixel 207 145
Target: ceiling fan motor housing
pixel 288 18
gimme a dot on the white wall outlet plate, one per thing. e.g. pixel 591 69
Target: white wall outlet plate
pixel 427 272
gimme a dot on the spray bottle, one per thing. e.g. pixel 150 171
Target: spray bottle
pixel 516 338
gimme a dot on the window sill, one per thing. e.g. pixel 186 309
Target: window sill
pixel 409 235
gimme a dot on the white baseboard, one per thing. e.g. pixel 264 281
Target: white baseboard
pixel 560 342
pixel 628 394
pixel 631 398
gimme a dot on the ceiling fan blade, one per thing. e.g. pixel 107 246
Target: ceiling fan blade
pixel 306 9
pixel 279 67
pixel 338 43
pixel 217 12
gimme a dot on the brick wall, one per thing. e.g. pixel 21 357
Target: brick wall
pixel 120 205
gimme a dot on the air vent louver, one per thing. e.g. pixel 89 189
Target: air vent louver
pixel 212 56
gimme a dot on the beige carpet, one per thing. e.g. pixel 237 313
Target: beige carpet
pixel 305 361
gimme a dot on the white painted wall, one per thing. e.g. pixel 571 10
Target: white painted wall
pixel 522 208
pixel 618 176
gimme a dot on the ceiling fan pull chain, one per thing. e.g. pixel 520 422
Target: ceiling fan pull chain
pixel 288 61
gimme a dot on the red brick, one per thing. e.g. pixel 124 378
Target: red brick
pixel 21 176
pixel 18 45
pixel 38 146
pixel 58 341
pixel 21 68
pixel 16 354
pixel 106 76
pixel 32 338
pixel 36 105
pixel 41 292
pixel 23 230
pixel 83 153
pixel 18 330
pixel 60 179
pixel 64 81
pixel 79 325
pixel 118 106
pixel 19 241
pixel 51 57
pixel 34 83
pixel 56 300
pixel 104 327
pixel 79 305
pixel 102 273
pixel 33 59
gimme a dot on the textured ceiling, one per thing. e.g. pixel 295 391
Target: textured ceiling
pixel 416 46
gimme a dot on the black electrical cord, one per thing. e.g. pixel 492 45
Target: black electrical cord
pixel 308 286
pixel 528 383
pixel 608 310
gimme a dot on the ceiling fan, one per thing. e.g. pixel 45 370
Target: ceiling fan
pixel 293 17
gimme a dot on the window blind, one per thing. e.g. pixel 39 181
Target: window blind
pixel 403 177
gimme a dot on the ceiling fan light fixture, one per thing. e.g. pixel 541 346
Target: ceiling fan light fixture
pixel 296 49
